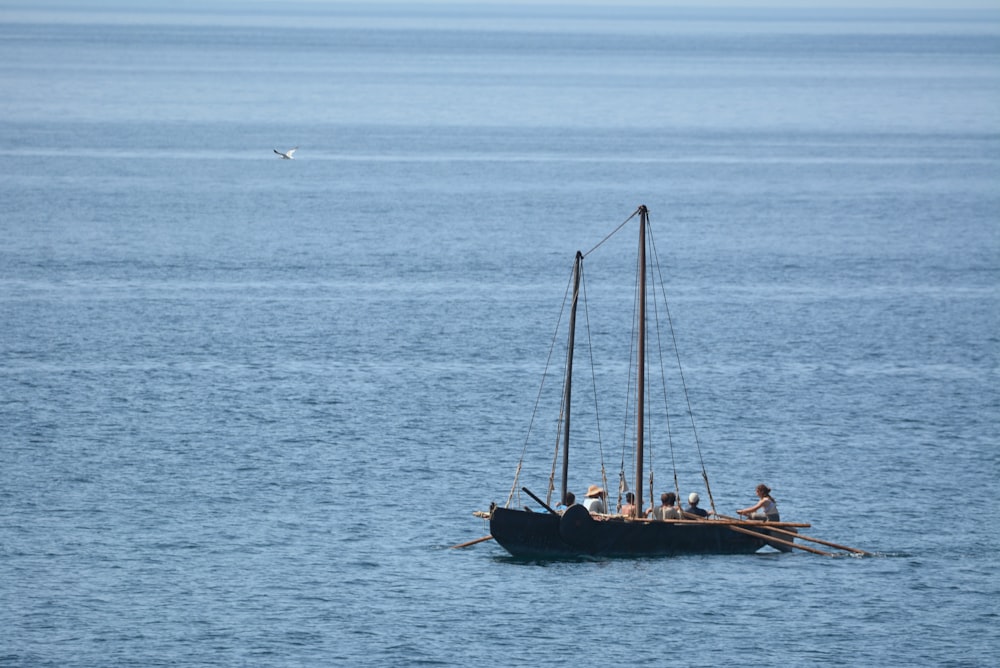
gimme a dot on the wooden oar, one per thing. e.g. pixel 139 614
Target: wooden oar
pixel 769 539
pixel 822 542
pixel 540 502
pixel 472 542
pixel 769 523
pixel 775 526
pixel 724 521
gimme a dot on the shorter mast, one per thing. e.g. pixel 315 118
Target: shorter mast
pixel 568 388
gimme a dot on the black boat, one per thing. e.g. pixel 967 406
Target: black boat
pixel 574 531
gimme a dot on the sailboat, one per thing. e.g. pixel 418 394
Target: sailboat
pixel 540 531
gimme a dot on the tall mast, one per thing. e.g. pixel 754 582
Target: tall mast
pixel 568 390
pixel 641 362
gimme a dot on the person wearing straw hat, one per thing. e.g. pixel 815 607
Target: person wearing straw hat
pixel 693 508
pixel 594 500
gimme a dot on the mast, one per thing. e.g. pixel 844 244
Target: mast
pixel 568 390
pixel 641 362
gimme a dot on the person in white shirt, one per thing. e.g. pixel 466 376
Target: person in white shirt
pixel 594 500
pixel 765 509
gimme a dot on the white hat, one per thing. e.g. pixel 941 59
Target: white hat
pixel 693 498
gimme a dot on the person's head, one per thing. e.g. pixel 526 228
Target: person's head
pixel 629 497
pixel 595 492
pixel 763 490
pixel 669 499
pixel 570 498
pixel 664 498
pixel 693 499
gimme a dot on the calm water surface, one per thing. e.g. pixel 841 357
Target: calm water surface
pixel 247 404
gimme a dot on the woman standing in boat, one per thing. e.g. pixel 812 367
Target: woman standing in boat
pixel 767 506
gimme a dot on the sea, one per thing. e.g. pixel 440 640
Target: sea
pixel 249 404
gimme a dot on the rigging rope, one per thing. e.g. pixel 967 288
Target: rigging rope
pixel 613 232
pixel 538 397
pixel 632 363
pixel 593 376
pixel 655 266
pixel 680 372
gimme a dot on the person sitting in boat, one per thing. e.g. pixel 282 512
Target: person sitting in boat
pixel 667 510
pixel 594 501
pixel 569 501
pixel 629 509
pixel 693 508
pixel 765 508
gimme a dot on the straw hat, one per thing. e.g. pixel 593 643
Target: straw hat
pixel 594 490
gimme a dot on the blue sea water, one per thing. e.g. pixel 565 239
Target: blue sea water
pixel 247 404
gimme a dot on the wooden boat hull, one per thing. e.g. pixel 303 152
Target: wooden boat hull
pixel 577 534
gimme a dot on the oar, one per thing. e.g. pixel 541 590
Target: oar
pixel 540 502
pixel 769 539
pixel 472 542
pixel 822 542
pixel 771 527
pixel 724 520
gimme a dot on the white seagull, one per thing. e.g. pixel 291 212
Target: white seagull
pixel 288 154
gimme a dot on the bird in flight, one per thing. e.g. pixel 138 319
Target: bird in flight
pixel 287 155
